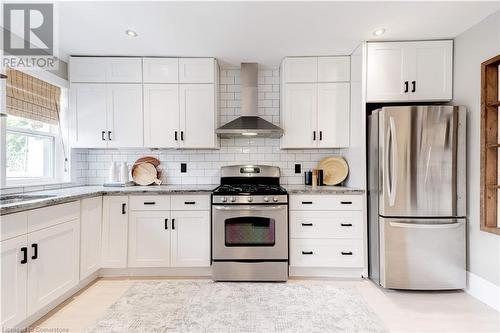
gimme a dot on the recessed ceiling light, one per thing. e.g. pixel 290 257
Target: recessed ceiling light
pixel 131 33
pixel 379 32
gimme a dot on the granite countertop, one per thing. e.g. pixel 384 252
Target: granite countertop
pixel 308 189
pixel 75 193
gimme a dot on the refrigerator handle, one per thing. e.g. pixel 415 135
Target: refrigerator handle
pixel 425 226
pixel 393 162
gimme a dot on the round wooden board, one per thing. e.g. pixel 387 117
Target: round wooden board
pixel 335 170
pixel 145 174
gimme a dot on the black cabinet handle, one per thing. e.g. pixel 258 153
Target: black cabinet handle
pixel 182 135
pixel 175 135
pixel 109 135
pixel 189 202
pixel 307 202
pixel 320 135
pixel 307 224
pixel 346 202
pixel 314 135
pixel 413 86
pixel 173 224
pixel 24 250
pixel 346 224
pixel 406 86
pixel 307 252
pixel 346 253
pixel 149 202
pixel 35 251
pixel 123 208
pixel 102 135
pixel 166 224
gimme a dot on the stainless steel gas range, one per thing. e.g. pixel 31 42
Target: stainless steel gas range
pixel 250 225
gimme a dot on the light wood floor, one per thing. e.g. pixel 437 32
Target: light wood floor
pixel 400 311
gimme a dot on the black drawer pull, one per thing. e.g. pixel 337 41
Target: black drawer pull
pixel 123 208
pixel 346 224
pixel 35 251
pixel 189 202
pixel 102 135
pixel 346 253
pixel 24 250
pixel 173 224
pixel 346 202
pixel 149 202
pixel 166 224
pixel 307 252
pixel 175 135
pixel 307 202
pixel 307 224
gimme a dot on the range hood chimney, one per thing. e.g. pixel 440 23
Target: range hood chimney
pixel 249 123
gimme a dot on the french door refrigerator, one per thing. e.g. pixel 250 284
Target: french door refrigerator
pixel 417 202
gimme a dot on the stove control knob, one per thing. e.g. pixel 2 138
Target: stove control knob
pixel 233 199
pixel 250 199
pixel 275 199
pixel 223 199
pixel 266 199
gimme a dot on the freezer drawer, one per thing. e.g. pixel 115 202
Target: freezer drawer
pixel 422 254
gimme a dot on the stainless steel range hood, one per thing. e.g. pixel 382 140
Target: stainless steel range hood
pixel 249 124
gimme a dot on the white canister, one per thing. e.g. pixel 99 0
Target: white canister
pixel 113 172
pixel 124 173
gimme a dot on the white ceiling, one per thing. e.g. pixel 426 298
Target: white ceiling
pixel 262 32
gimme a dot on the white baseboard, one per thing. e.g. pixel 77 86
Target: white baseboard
pixel 483 290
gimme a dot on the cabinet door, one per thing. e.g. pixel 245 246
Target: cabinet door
pixel 53 265
pixel 334 69
pixel 88 107
pixel 149 239
pixel 123 70
pixel 333 115
pixel 300 69
pixel 91 235
pixel 197 115
pixel 387 72
pixel 197 70
pixel 87 69
pixel 125 116
pixel 190 239
pixel 431 71
pixel 114 231
pixel 13 281
pixel 160 70
pixel 161 115
pixel 300 116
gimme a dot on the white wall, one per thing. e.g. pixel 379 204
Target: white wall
pixel 477 44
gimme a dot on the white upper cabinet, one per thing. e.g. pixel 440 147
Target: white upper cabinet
pixel 160 70
pixel 102 69
pixel 300 69
pixel 197 116
pixel 196 70
pixel 125 116
pixel 333 114
pixel 334 69
pixel 315 114
pixel 161 115
pixel 410 71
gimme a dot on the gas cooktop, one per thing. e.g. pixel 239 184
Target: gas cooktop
pixel 249 189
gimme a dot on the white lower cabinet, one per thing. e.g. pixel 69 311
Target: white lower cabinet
pixel 149 239
pixel 14 274
pixel 190 239
pixel 54 263
pixel 90 236
pixel 114 231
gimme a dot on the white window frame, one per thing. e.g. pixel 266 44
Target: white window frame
pixel 59 174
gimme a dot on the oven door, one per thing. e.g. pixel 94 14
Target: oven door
pixel 243 232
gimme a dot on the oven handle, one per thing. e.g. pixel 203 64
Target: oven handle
pixel 244 207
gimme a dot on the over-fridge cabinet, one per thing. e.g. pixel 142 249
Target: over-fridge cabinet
pixel 125 102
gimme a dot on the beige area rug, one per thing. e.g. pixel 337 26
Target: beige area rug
pixel 204 306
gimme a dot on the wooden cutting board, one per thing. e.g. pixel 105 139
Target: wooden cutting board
pixel 335 170
pixel 145 174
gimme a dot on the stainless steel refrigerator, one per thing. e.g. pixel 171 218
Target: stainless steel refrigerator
pixel 416 195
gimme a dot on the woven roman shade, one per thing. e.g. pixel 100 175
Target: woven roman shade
pixel 32 98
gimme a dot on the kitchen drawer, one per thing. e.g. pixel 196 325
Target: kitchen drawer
pixel 191 202
pixel 149 202
pixel 330 224
pixel 13 225
pixel 326 202
pixel 326 252
pixel 48 216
